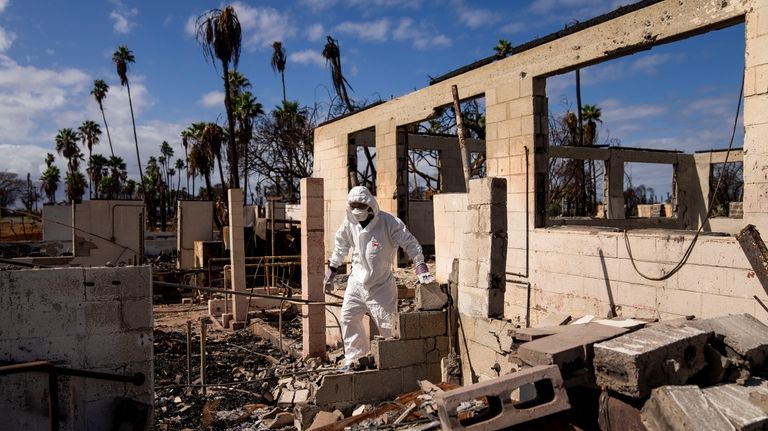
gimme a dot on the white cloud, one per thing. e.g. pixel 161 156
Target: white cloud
pixel 190 27
pixel 263 25
pixel 123 17
pixel 317 5
pixel 513 27
pixel 474 18
pixel 422 37
pixel 214 99
pixel 411 4
pixel 614 111
pixel 307 57
pixel 6 39
pixel 371 30
pixel 649 64
pixel 36 102
pixel 315 32
pixel 3 5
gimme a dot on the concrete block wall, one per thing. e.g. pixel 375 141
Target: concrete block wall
pixel 583 271
pixel 450 223
pixel 97 319
pixel 312 267
pixel 484 345
pixel 57 223
pixel 483 249
pixel 195 224
pixel 420 340
pixel 108 232
pixel 587 270
pixel 756 117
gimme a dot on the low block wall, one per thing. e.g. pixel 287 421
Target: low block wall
pixel 97 319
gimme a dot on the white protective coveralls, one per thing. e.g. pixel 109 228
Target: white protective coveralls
pixel 371 286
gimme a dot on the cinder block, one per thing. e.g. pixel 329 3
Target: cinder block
pixel 638 362
pixel 377 385
pixel 411 376
pixel 743 333
pixel 395 353
pixel 682 408
pixel 432 323
pixel 430 297
pixel 335 389
pixel 216 306
pixel 406 326
pixel 569 350
pixel 734 402
pixel 546 380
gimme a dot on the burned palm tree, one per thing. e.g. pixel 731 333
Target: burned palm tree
pixel 99 92
pixel 278 62
pixel 122 58
pixel 89 135
pixel 219 33
pixel 332 55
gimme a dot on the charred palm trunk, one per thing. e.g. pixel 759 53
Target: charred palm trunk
pixel 232 148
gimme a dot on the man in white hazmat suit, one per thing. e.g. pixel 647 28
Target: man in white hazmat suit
pixel 374 237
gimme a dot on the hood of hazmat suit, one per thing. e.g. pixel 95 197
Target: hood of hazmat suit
pixel 371 285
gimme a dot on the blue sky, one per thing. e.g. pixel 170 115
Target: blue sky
pixel 680 95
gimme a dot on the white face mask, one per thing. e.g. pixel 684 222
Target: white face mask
pixel 360 214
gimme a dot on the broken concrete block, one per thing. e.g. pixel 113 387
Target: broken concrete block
pixel 430 297
pixel 743 333
pixel 304 415
pixel 734 402
pixel 325 418
pixel 335 389
pixel 550 398
pixel 659 355
pixel 682 408
pixel 216 306
pixel 583 319
pixel 530 334
pixel 571 349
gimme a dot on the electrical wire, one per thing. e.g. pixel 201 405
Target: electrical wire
pixel 689 250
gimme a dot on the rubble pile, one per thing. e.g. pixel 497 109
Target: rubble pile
pixel 242 372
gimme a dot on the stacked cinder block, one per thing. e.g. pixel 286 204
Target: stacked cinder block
pixel 484 250
pixel 312 265
pixel 414 354
pixel 97 319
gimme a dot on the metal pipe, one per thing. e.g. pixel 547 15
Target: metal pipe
pixel 189 352
pixel 272 240
pixel 53 372
pixel 203 322
pixel 254 295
